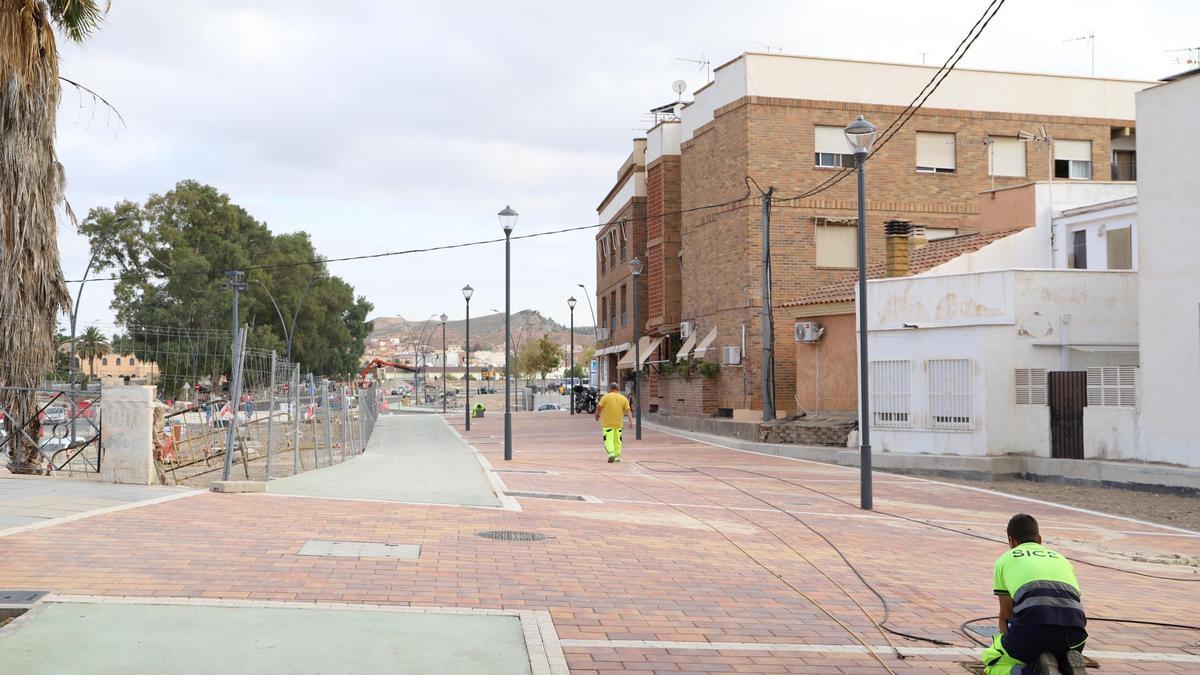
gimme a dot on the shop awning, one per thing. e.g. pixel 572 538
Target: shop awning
pixel 646 345
pixel 705 344
pixel 686 350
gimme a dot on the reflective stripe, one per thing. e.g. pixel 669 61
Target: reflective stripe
pixel 1069 603
pixel 1055 588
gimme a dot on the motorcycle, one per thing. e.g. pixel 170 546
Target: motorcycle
pixel 585 399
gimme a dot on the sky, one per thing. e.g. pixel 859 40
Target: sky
pixel 404 125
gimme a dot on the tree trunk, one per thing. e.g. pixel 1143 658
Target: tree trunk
pixel 32 291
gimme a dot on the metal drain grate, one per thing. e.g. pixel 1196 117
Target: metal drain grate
pixel 547 495
pixel 16 597
pixel 511 535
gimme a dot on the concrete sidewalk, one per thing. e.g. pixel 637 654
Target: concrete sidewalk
pixel 32 500
pixel 410 458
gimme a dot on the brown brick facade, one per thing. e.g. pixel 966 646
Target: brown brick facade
pixel 677 395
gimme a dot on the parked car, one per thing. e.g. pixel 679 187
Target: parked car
pixel 550 407
pixel 55 414
pixel 488 389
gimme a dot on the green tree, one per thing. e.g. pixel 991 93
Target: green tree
pixel 172 253
pixel 32 289
pixel 91 346
pixel 540 356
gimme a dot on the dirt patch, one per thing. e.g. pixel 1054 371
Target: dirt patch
pixel 1167 509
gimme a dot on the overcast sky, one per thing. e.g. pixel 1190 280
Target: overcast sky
pixel 410 124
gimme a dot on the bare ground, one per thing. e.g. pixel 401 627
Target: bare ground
pixel 1167 509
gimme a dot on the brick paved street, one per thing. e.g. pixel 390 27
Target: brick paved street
pixel 662 564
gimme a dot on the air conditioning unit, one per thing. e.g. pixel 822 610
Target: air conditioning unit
pixel 731 356
pixel 685 330
pixel 602 334
pixel 808 331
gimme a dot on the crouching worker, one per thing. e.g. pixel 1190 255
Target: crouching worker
pixel 1041 614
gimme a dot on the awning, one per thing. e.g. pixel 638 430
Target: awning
pixel 614 349
pixel 705 344
pixel 686 350
pixel 646 345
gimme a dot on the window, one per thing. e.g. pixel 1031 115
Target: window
pixel 935 152
pixel 1073 159
pixel 831 147
pixel 612 309
pixel 612 246
pixel 623 314
pixel 1112 386
pixel 890 402
pixel 1006 156
pixel 950 394
pixel 836 246
pixel 118 360
pixel 603 258
pixel 1124 165
pixel 104 361
pixel 1031 386
pixel 623 240
pixel 1120 248
pixel 604 312
pixel 132 361
pixel 1078 257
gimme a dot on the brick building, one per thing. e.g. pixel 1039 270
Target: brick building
pixel 778 119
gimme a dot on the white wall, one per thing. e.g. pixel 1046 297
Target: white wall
pixel 662 140
pixel 634 186
pixel 1027 248
pixel 1097 224
pixel 1168 241
pixel 824 79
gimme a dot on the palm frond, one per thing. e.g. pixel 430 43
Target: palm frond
pixel 78 19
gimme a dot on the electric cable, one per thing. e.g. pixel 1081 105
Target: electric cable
pixel 1107 619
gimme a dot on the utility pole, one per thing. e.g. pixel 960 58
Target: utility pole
pixel 237 285
pixel 768 329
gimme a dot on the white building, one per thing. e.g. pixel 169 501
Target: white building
pixel 1168 246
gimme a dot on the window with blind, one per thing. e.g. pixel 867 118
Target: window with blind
pixel 891 404
pixel 950 394
pixel 624 314
pixel 603 258
pixel 935 152
pixel 1031 386
pixel 1119 245
pixel 837 246
pixel 831 147
pixel 1073 159
pixel 1006 156
pixel 1112 386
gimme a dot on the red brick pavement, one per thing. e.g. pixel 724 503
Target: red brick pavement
pixel 668 555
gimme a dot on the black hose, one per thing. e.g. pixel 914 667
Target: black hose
pixel 1108 619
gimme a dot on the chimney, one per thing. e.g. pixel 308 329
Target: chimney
pixel 897 241
pixel 918 237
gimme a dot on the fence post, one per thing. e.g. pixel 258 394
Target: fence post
pixel 295 397
pixel 328 421
pixel 271 414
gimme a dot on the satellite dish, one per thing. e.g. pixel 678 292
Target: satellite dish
pixel 679 86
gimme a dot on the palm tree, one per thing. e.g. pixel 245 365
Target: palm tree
pixel 32 290
pixel 92 345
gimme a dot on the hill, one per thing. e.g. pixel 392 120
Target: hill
pixel 487 331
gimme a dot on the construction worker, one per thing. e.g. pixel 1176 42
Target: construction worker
pixel 1041 615
pixel 612 410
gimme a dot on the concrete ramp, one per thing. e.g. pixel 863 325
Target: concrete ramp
pixel 410 458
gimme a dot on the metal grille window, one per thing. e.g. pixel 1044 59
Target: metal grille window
pixel 890 400
pixel 1031 386
pixel 1112 386
pixel 950 394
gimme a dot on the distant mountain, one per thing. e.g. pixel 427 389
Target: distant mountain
pixel 487 331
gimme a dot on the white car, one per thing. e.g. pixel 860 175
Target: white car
pixel 550 407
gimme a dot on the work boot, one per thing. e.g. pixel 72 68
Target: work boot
pixel 1075 664
pixel 1047 664
pixel 611 459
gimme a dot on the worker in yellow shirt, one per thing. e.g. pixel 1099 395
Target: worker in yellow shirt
pixel 612 410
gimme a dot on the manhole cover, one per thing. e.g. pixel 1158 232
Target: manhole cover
pixel 14 597
pixel 987 629
pixel 511 535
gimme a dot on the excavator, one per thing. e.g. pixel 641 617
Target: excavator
pixel 381 363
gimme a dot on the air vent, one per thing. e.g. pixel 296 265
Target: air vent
pixel 511 535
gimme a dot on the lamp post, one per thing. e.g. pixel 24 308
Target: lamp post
pixel 467 292
pixel 508 220
pixel 74 316
pixel 588 297
pixel 861 136
pixel 635 266
pixel 443 318
pixel 571 371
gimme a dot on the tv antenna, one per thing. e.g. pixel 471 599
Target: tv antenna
pixel 923 55
pixel 769 48
pixel 1091 40
pixel 1189 56
pixel 704 64
pixel 1038 140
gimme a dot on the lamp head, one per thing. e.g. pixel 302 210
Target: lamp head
pixel 861 135
pixel 468 292
pixel 571 302
pixel 508 219
pixel 443 318
pixel 635 266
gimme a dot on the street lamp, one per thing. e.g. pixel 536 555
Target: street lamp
pixel 571 371
pixel 508 220
pixel 861 136
pixel 467 292
pixel 443 318
pixel 635 266
pixel 588 297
